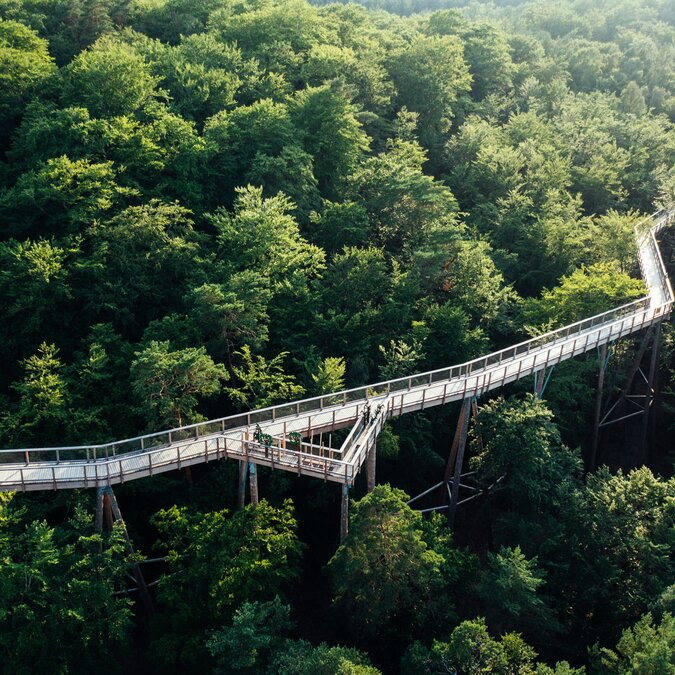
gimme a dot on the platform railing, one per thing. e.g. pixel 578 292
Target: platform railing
pixel 319 403
pixel 314 406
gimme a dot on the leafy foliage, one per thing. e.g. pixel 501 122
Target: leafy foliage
pixel 217 561
pixel 168 382
pixel 58 588
pixel 388 575
pixel 523 447
pixel 214 205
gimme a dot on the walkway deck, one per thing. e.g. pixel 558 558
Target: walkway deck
pixel 365 409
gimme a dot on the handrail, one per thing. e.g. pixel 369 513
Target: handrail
pixel 318 403
pixel 663 273
pixel 564 331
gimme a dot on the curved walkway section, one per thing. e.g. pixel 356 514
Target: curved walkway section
pixel 273 436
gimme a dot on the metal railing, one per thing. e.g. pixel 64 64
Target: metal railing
pixel 342 408
pixel 319 403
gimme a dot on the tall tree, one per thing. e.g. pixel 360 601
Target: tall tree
pixel 41 414
pixel 387 579
pixel 431 75
pixel 110 78
pixel 59 606
pixel 25 65
pixel 168 384
pixel 216 562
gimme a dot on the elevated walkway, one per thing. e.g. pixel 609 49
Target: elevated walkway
pixel 273 436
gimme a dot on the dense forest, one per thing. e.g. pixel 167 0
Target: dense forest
pixel 210 206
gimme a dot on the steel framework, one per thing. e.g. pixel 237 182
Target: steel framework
pixel 273 436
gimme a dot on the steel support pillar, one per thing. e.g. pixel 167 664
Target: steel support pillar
pixel 99 509
pixel 187 471
pixel 539 382
pixel 474 414
pixel 107 509
pixel 541 378
pixel 109 496
pixel 462 427
pixel 253 483
pixel 617 409
pixel 651 394
pixel 598 409
pixel 371 464
pixel 344 513
pixel 460 440
pixel 241 491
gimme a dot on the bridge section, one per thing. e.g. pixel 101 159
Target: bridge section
pixel 274 436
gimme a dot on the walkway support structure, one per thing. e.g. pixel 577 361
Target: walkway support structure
pixel 344 513
pixel 454 466
pixel 106 501
pixel 253 483
pixel 651 389
pixel 371 468
pixel 638 390
pixel 285 432
pixel 241 487
pixel 598 407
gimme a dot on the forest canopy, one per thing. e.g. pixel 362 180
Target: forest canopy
pixel 210 206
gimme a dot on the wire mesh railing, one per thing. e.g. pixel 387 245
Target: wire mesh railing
pixel 343 408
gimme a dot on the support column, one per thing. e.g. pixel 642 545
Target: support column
pixel 371 463
pixel 138 575
pixel 618 408
pixel 474 414
pixel 598 409
pixel 462 427
pixel 539 381
pixel 253 483
pixel 462 430
pixel 188 476
pixel 99 509
pixel 107 509
pixel 651 394
pixel 344 513
pixel 241 492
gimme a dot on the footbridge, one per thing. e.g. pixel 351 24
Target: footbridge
pixel 298 436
